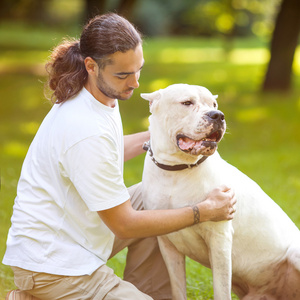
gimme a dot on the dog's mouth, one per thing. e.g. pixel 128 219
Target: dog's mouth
pixel 205 146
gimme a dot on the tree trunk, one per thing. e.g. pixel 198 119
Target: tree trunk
pixel 93 8
pixel 125 8
pixel 283 46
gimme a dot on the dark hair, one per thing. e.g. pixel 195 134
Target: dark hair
pixel 103 35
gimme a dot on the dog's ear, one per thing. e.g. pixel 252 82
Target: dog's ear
pixel 151 97
pixel 216 96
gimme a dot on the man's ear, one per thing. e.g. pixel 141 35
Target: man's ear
pixel 151 97
pixel 90 65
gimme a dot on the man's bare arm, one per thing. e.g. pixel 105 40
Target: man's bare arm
pixel 133 144
pixel 125 222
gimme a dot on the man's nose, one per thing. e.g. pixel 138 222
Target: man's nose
pixel 134 81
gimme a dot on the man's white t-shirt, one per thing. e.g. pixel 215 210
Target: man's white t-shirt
pixel 73 168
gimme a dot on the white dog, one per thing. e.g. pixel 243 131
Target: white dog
pixel 258 253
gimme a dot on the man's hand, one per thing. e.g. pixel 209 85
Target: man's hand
pixel 219 205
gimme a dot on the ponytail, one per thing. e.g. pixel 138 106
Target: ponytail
pixel 66 69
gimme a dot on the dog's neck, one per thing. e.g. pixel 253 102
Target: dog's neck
pixel 176 167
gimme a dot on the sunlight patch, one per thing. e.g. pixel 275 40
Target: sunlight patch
pixel 249 56
pixel 191 55
pixel 23 58
pixel 145 122
pixel 30 127
pixel 252 115
pixel 159 84
pixel 296 62
pixel 15 149
pixel 196 55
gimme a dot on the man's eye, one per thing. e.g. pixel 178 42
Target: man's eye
pixel 187 103
pixel 122 76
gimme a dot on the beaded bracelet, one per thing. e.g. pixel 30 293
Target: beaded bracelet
pixel 196 214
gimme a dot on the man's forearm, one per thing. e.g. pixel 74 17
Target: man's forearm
pixel 125 222
pixel 133 144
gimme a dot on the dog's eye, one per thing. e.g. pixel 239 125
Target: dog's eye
pixel 215 105
pixel 187 103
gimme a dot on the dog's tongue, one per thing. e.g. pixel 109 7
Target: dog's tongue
pixel 186 143
pixel 205 146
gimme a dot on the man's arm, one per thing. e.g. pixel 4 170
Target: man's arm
pixel 133 144
pixel 125 222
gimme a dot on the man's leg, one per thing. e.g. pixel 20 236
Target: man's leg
pixel 145 267
pixel 102 284
pixel 19 295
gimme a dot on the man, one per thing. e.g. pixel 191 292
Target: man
pixel 72 211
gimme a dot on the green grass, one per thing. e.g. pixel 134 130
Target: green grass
pixel 262 138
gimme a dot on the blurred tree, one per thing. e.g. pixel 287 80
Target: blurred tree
pixel 126 8
pixel 6 8
pixel 283 46
pixel 226 17
pixel 28 10
pixel 93 7
pixel 123 7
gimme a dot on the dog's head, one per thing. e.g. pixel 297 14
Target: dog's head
pixel 186 118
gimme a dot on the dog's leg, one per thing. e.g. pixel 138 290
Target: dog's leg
pixel 220 246
pixel 175 262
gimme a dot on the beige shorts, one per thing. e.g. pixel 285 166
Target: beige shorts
pixel 145 275
pixel 102 284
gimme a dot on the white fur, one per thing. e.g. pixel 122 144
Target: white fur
pixel 258 253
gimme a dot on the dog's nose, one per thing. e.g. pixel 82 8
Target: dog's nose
pixel 216 115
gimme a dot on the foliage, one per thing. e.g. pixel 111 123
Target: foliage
pixel 232 17
pixel 261 140
pixel 207 17
pixel 42 11
pixel 156 17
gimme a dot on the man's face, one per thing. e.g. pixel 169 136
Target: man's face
pixel 119 79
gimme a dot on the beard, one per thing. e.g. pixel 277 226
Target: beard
pixel 109 92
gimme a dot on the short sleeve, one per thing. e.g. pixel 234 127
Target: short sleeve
pixel 95 169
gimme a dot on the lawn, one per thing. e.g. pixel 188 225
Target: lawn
pixel 262 138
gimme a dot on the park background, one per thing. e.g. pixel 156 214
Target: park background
pixel 246 51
